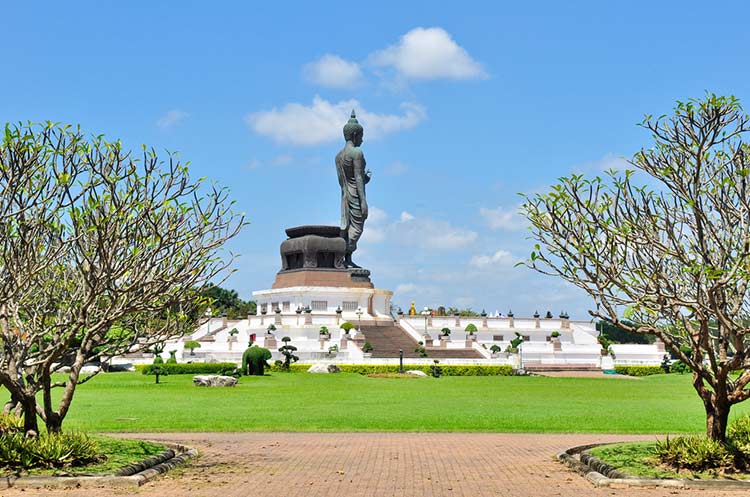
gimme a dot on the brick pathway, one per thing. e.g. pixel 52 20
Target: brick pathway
pixel 375 465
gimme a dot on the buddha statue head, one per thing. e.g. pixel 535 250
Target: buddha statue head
pixel 353 131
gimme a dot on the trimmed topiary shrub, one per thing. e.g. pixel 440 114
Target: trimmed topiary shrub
pixel 445 331
pixel 288 352
pixel 191 345
pixel 470 329
pixel 367 348
pixel 186 368
pixel 254 361
pixel 172 357
pixel 639 370
pixel 448 370
pixel 347 326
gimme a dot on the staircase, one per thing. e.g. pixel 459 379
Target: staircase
pixel 387 340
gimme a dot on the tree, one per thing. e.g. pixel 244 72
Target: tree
pixel 672 250
pixel 102 254
pixel 191 345
pixel 228 302
pixel 288 352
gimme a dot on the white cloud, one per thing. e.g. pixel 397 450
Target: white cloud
pixel 503 218
pixel 431 234
pixel 501 258
pixel 429 53
pixel 607 162
pixel 172 118
pixel 334 72
pixel 395 168
pixel 406 288
pixel 405 217
pixel 323 121
pixel 376 216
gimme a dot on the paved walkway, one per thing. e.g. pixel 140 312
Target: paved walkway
pixel 375 465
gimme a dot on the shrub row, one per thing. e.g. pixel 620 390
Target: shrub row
pixel 639 370
pixel 448 370
pixel 54 450
pixel 187 368
pixel 699 453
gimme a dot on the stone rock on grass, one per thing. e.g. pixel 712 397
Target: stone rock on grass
pixel 416 372
pixel 324 368
pixel 213 380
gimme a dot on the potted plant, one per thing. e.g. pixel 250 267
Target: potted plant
pixel 271 328
pixel 446 332
pixel 333 350
pixel 347 327
pixel 367 349
pixel 495 349
pixel 191 345
pixel 324 332
pixel 470 330
pixel 555 339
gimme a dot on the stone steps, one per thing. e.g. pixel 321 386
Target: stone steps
pixel 387 340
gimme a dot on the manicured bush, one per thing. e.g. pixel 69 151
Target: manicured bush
pixel 288 351
pixel 679 367
pixel 192 345
pixel 639 370
pixel 445 331
pixel 172 358
pixel 697 453
pixel 187 368
pixel 555 334
pixel 365 369
pixel 254 361
pixel 347 326
pixel 158 359
pixel 55 450
pixel 470 329
pixel 738 435
pixel 495 348
pixel 435 370
pixel 367 348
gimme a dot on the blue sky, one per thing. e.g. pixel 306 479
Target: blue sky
pixel 464 105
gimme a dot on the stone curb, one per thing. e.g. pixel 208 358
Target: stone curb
pixel 134 475
pixel 602 474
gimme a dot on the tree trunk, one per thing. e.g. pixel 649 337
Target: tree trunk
pixel 717 415
pixel 30 422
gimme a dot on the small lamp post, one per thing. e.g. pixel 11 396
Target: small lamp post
pixel 209 314
pixel 425 313
pixel 401 361
pixel 359 312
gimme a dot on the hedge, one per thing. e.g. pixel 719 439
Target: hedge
pixel 448 370
pixel 188 368
pixel 639 370
pixel 364 369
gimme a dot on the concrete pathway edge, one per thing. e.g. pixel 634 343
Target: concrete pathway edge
pixel 147 470
pixel 602 474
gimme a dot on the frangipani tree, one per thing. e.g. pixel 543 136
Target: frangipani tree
pixel 102 254
pixel 667 244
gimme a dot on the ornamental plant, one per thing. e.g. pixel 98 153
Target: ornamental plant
pixel 667 239
pixel 446 332
pixel 470 329
pixel 367 348
pixel 288 352
pixel 191 345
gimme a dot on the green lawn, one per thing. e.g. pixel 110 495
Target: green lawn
pixel 131 402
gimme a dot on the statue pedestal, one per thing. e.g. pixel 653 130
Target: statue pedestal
pixel 313 278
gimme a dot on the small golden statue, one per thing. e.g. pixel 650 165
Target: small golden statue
pixel 412 309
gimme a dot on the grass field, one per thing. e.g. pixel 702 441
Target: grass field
pixel 131 402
